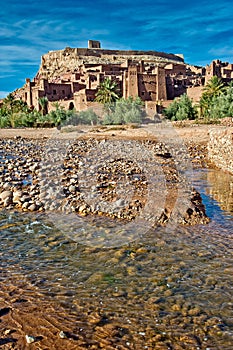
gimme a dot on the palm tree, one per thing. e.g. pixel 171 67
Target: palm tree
pixel 214 87
pixel 107 92
pixel 43 102
pixel 9 102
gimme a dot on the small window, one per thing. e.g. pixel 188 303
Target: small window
pixel 54 92
pixel 63 92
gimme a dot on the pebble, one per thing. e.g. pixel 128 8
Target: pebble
pixel 30 339
pixel 88 180
pixel 63 335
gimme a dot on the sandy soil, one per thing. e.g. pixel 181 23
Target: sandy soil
pixel 190 132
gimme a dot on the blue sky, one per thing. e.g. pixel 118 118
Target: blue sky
pixel 201 30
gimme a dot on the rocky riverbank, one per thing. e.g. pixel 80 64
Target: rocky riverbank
pixel 170 291
pixel 110 176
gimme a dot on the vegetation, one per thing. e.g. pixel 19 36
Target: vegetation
pixel 88 117
pixel 15 113
pixel 125 111
pixel 180 109
pixel 43 102
pixel 107 92
pixel 216 102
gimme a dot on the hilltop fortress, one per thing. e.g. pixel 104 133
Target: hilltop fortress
pixel 71 77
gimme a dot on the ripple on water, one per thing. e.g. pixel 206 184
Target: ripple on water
pixel 170 288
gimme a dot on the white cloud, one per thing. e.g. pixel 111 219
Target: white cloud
pixel 225 51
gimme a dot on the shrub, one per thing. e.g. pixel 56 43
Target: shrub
pixel 88 117
pixel 180 109
pixel 125 111
pixel 217 106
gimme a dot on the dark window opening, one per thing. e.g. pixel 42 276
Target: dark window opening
pixel 71 106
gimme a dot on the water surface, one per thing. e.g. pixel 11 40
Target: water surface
pixel 172 288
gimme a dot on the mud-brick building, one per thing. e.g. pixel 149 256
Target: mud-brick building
pixel 223 70
pixel 148 85
pixel 71 76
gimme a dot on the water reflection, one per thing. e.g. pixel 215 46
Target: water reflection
pixel 216 189
pixel 221 189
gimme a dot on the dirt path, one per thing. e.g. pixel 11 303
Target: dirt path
pixel 193 132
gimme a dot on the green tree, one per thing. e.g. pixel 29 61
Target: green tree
pixel 180 109
pixel 43 103
pixel 9 102
pixel 84 117
pixel 107 92
pixel 213 89
pixel 125 111
pixel 221 106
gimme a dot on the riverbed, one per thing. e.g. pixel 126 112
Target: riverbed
pixel 169 289
pixel 71 281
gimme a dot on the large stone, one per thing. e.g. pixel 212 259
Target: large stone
pixel 6 194
pixel 17 195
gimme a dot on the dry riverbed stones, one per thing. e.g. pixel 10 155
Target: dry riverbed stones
pixel 58 175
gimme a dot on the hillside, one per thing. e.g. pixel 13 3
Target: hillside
pixel 55 63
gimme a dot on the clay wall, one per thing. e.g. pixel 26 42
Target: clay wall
pixel 195 93
pixel 174 87
pixel 66 104
pixel 151 110
pixel 175 69
pixel 112 68
pixel 80 100
pixel 132 81
pixel 161 93
pixel 76 86
pixel 195 69
pixel 147 87
pixel 220 148
pixel 55 92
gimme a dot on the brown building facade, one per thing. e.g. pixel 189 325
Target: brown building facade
pixel 72 76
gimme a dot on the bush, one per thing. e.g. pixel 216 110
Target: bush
pixel 4 121
pixel 125 111
pixel 222 105
pixel 180 109
pixel 88 117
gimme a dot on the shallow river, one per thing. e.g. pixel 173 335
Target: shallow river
pixel 170 289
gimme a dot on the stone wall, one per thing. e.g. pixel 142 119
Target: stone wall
pixel 220 148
